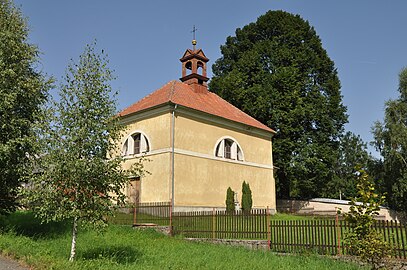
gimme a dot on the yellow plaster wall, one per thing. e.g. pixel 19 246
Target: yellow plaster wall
pixel 156 186
pixel 203 182
pixel 201 137
pixel 157 129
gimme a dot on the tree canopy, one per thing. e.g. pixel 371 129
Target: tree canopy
pixel 390 139
pixel 79 176
pixel 23 90
pixel 352 156
pixel 277 71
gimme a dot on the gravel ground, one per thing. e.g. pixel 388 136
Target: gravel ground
pixel 8 264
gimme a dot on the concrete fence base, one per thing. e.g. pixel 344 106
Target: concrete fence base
pixel 161 229
pixel 251 244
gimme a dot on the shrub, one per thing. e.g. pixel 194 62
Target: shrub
pixel 230 201
pixel 363 240
pixel 247 201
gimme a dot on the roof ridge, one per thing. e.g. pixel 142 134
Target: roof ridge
pixel 177 92
pixel 144 98
pixel 236 108
pixel 172 90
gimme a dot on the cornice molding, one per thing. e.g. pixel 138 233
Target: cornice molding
pixel 198 115
pixel 223 122
pixel 147 113
pixel 198 155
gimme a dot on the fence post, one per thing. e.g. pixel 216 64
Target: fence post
pixel 134 215
pixel 171 229
pixel 213 223
pixel 338 233
pixel 268 228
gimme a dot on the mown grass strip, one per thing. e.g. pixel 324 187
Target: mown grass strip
pixel 125 248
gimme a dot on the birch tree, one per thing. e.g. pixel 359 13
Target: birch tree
pixel 79 177
pixel 390 139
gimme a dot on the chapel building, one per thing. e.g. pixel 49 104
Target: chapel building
pixel 197 145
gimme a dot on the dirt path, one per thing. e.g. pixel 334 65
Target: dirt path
pixel 8 264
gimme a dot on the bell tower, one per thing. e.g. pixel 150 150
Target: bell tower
pixel 194 68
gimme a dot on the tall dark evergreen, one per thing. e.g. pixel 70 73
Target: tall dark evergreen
pixel 277 71
pixel 230 200
pixel 247 200
pixel 391 141
pixel 23 89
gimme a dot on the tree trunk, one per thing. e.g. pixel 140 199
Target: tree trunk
pixel 73 244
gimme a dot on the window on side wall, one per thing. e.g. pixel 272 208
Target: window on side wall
pixel 229 149
pixel 135 144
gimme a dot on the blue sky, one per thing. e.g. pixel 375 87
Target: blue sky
pixel 366 39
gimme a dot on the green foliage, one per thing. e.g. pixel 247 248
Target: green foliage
pixel 78 176
pixel 122 247
pixel 230 200
pixel 371 248
pixel 363 239
pixel 390 139
pixel 23 90
pixel 276 70
pixel 247 201
pixel 352 154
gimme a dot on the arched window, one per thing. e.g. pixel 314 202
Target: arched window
pixel 188 66
pixel 229 149
pixel 136 143
pixel 200 67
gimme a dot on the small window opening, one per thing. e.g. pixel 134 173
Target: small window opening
pixel 200 67
pixel 137 143
pixel 188 66
pixel 228 149
pixel 137 140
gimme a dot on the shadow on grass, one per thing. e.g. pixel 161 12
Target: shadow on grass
pixel 121 254
pixel 26 224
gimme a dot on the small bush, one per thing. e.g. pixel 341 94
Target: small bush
pixel 247 200
pixel 230 201
pixel 363 240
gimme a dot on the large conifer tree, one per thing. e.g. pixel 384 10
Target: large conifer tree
pixel 277 71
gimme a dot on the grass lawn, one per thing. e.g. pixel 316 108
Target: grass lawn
pixel 121 247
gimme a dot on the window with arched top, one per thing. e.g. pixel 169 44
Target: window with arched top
pixel 188 66
pixel 136 143
pixel 229 149
pixel 200 67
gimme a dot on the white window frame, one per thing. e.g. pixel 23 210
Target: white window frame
pixel 145 144
pixel 219 150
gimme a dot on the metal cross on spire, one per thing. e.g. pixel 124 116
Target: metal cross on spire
pixel 194 29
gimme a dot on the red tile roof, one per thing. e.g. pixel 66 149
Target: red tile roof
pixel 177 92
